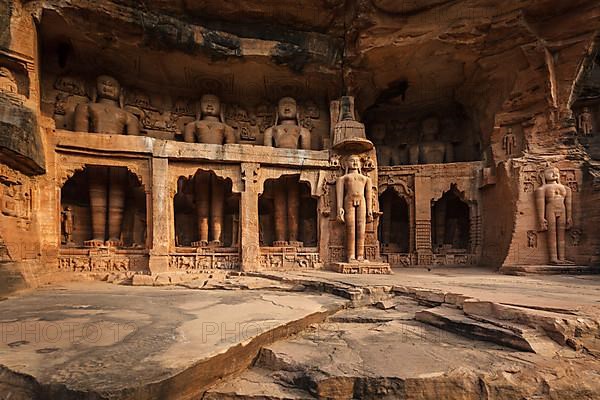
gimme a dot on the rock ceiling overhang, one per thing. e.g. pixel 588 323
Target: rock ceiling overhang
pixel 423 54
pixel 163 53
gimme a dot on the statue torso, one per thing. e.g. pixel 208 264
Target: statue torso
pixel 432 152
pixel 354 185
pixel 554 194
pixel 211 132
pixel 286 136
pixel 107 118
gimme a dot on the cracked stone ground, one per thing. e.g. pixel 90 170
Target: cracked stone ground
pixel 442 334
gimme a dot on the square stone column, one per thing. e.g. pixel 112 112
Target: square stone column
pixel 423 197
pixel 249 223
pixel 161 216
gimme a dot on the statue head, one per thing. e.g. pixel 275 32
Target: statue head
pixel 551 175
pixel 287 109
pixel 430 127
pixel 353 163
pixel 108 87
pixel 378 132
pixel 210 105
pixel 586 109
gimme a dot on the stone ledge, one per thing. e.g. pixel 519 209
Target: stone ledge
pixel 549 270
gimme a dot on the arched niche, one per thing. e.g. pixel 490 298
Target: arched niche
pixel 206 211
pixel 287 213
pixel 103 205
pixel 451 222
pixel 394 226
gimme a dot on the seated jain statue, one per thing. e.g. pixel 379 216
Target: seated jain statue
pixel 287 133
pixel 105 113
pixel 355 207
pixel 210 128
pixel 387 154
pixel 430 150
pixel 553 201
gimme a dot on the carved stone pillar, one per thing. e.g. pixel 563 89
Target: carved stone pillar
pixel 423 197
pixel 249 225
pixel 162 204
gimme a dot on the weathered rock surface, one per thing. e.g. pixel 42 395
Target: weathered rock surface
pixel 399 359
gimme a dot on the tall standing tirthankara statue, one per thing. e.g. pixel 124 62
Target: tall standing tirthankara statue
pixel 287 134
pixel 553 201
pixel 355 207
pixel 355 193
pixel 209 190
pixel 105 114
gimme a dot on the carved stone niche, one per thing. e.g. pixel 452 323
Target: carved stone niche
pixel 16 197
pixel 451 223
pixel 206 212
pixel 396 202
pixel 103 206
pixel 14 79
pixel 287 213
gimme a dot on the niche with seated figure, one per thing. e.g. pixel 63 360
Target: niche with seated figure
pixel 450 222
pixel 103 206
pixel 206 212
pixel 423 138
pixel 287 214
pixel 394 228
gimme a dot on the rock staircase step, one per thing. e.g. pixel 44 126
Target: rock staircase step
pixel 455 321
pixel 259 384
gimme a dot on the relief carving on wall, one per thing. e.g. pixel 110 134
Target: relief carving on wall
pixel 15 197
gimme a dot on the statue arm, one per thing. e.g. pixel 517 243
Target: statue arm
pixel 133 125
pixel 568 207
pixel 339 198
pixel 541 208
pixel 189 131
pixel 369 199
pixel 229 135
pixel 268 140
pixel 305 139
pixel 82 115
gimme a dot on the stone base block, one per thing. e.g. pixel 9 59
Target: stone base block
pixel 370 267
pixel 549 270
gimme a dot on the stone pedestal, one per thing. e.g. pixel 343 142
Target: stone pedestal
pixel 362 267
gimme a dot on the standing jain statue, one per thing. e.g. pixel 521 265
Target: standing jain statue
pixel 107 185
pixel 287 134
pixel 355 207
pixel 553 201
pixel 209 190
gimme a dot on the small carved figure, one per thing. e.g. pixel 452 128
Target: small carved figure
pixel 509 142
pixel 586 122
pixel 67 225
pixel 576 237
pixel 430 150
pixel 210 129
pixel 287 133
pixel 531 239
pixel 105 113
pixel 355 207
pixel 553 202
pixel 8 83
